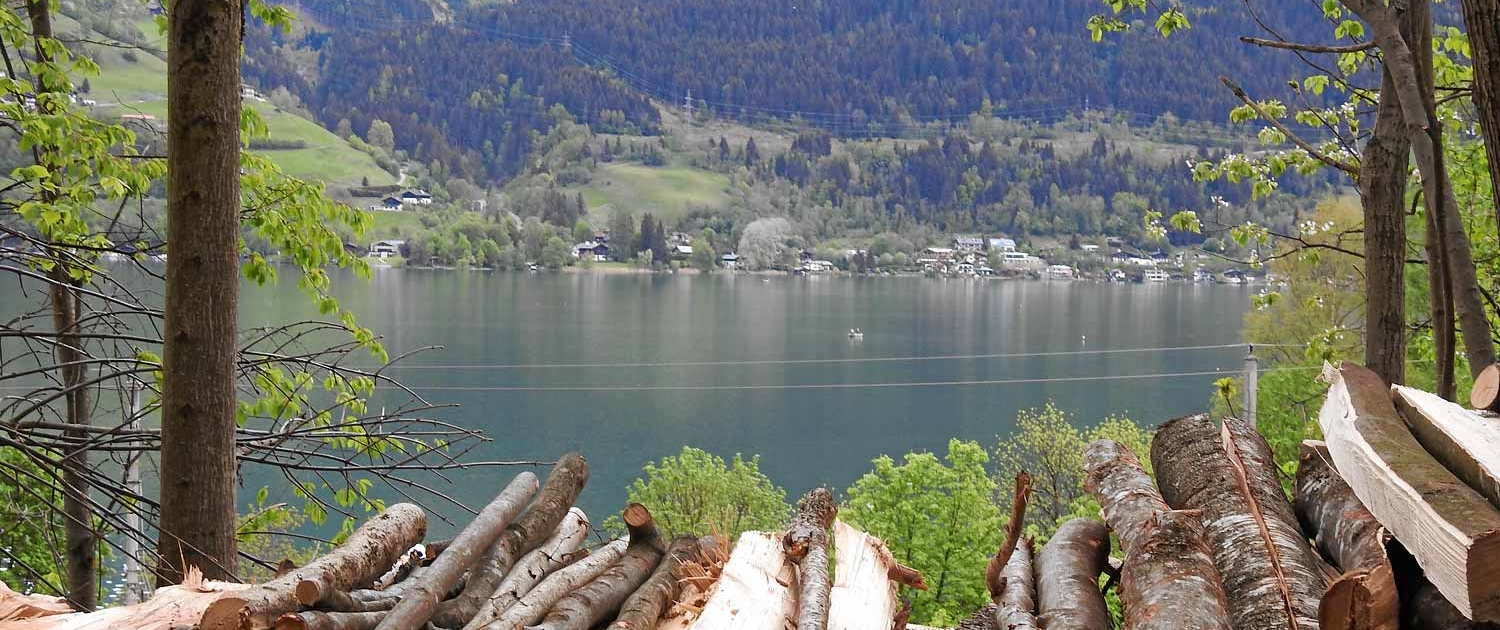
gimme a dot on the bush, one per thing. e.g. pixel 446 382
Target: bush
pixel 697 492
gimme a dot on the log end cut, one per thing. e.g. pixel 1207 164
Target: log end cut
pixel 1486 392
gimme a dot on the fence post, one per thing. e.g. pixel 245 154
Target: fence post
pixel 1252 376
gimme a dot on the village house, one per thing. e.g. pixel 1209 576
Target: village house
pixel 1003 244
pixel 1059 271
pixel 816 266
pixel 730 260
pixel 591 250
pixel 969 243
pixel 682 252
pixel 1089 247
pixel 1203 276
pixel 388 204
pixel 387 248
pixel 416 196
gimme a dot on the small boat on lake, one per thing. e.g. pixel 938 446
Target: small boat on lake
pixel 855 333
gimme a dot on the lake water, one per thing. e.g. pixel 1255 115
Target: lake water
pixel 773 371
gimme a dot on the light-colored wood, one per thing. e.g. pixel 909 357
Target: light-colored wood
pixel 532 568
pixel 535 604
pixel 15 606
pixel 1452 531
pixel 1465 442
pixel 168 608
pixel 863 598
pixel 1486 391
pixel 753 592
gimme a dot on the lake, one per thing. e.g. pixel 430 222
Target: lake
pixel 764 365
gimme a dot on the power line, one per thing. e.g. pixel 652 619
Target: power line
pixel 824 361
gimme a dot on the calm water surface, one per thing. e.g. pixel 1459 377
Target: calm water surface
pixel 768 403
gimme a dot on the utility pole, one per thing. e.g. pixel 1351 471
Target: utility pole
pixel 1252 375
pixel 133 579
pixel 687 103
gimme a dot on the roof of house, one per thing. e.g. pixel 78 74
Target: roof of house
pixel 1001 243
pixel 968 240
pixel 416 193
pixel 684 249
pixel 390 242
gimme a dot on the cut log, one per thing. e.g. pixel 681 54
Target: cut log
pixel 1167 579
pixel 806 544
pixel 1450 528
pixel 1428 610
pixel 417 606
pixel 1486 392
pixel 558 494
pixel 412 560
pixel 1466 442
pixel 368 552
pixel 168 608
pixel 752 593
pixel 554 554
pixel 588 606
pixel 645 607
pixel 1015 607
pixel 1272 578
pixel 1067 577
pixel 1365 596
pixel 534 605
pixel 319 620
pixel 862 597
pixel 993 580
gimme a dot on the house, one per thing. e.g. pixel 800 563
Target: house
pixel 1003 244
pixel 682 252
pixel 1201 275
pixel 386 248
pixel 942 254
pixel 816 266
pixel 1059 271
pixel 984 272
pixel 970 243
pixel 964 269
pixel 389 204
pixel 1089 247
pixel 1020 260
pixel 416 196
pixel 680 238
pixel 730 260
pixel 591 250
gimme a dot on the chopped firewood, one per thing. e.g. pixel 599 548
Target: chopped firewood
pixel 558 494
pixel 417 606
pixel 169 608
pixel 862 597
pixel 533 606
pixel 368 552
pixel 594 602
pixel 1067 577
pixel 1015 607
pixel 1272 577
pixel 806 544
pixel 1450 528
pixel 1486 392
pixel 1466 442
pixel 554 554
pixel 1167 579
pixel 1365 595
pixel 648 603
pixel 751 595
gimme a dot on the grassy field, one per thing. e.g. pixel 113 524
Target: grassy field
pixel 392 225
pixel 664 191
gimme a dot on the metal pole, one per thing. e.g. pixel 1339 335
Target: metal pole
pixel 133 582
pixel 1252 374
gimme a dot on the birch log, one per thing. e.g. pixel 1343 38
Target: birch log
pixel 533 606
pixel 594 602
pixel 1272 577
pixel 534 567
pixel 1365 596
pixel 1168 579
pixel 752 594
pixel 558 494
pixel 806 544
pixel 368 552
pixel 1466 442
pixel 645 607
pixel 168 608
pixel 414 609
pixel 1015 608
pixel 1067 577
pixel 863 597
pixel 1450 528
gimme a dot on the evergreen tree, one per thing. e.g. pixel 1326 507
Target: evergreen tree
pixel 752 154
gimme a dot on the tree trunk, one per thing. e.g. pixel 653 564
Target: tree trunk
pixel 1382 191
pixel 1365 596
pixel 1482 19
pixel 646 606
pixel 417 606
pixel 358 561
pixel 588 606
pixel 202 289
pixel 80 539
pixel 1272 578
pixel 1067 577
pixel 994 581
pixel 1168 579
pixel 1440 297
pixel 557 496
pixel 535 566
pixel 1016 606
pixel 534 605
pixel 806 543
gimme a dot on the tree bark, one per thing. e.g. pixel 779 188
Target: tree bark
pixel 557 496
pixel 806 543
pixel 534 605
pixel 202 290
pixel 1168 579
pixel 1382 191
pixel 982 619
pixel 588 606
pixel 1015 608
pixel 1067 577
pixel 647 604
pixel 417 606
pixel 1440 299
pixel 403 567
pixel 1272 578
pixel 535 566
pixel 994 581
pixel 356 562
pixel 1482 19
pixel 1365 596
